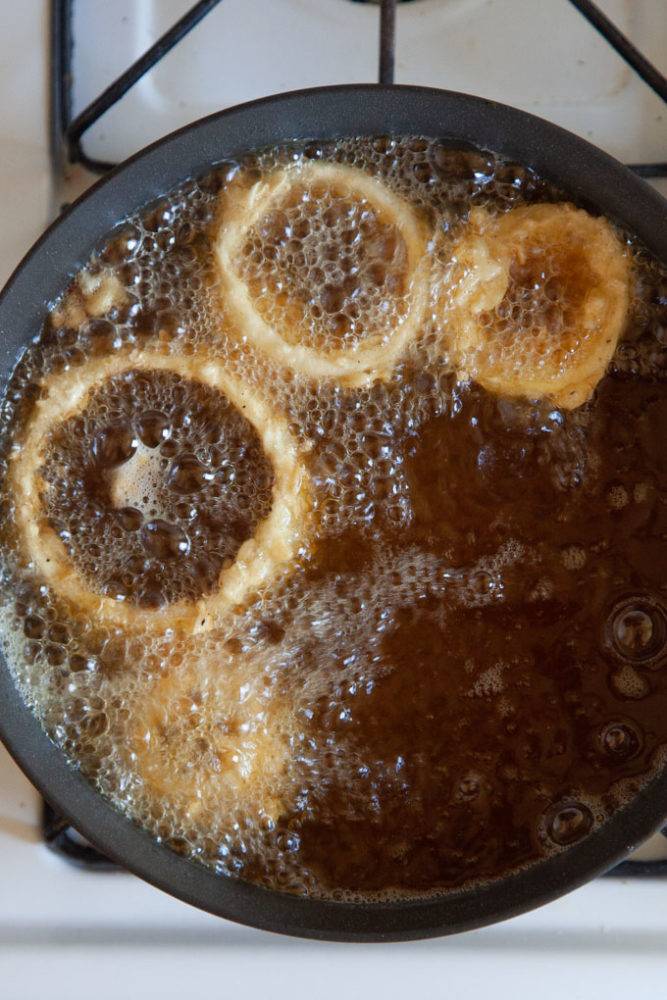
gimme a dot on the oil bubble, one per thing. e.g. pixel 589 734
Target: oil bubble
pixel 621 739
pixel 114 445
pixel 163 540
pixel 568 822
pixel 636 632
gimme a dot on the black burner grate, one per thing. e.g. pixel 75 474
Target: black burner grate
pixel 63 840
pixel 67 132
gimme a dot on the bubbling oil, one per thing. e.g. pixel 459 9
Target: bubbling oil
pixel 329 264
pixel 149 489
pixel 462 671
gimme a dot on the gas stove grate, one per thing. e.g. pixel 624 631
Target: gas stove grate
pixel 67 132
pixel 63 840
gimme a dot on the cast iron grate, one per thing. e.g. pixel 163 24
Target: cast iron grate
pixel 63 840
pixel 67 132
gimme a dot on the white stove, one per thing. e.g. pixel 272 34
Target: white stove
pixel 81 933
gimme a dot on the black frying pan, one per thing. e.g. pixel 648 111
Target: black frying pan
pixel 594 180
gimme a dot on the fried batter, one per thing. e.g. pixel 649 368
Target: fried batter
pixel 209 739
pixel 323 269
pixel 537 300
pixel 276 541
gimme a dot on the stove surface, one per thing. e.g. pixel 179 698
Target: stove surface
pixel 108 933
pixel 538 55
pixel 100 933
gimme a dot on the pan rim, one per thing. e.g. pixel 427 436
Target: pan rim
pixel 555 154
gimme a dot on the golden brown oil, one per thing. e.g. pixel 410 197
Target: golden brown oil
pixel 465 668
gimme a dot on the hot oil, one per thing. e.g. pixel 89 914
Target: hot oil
pixel 335 268
pixel 464 669
pixel 153 496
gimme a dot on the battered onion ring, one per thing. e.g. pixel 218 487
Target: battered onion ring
pixel 276 541
pixel 373 357
pixel 559 355
pixel 212 740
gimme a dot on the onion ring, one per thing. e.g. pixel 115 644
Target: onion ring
pixel 276 541
pixel 373 356
pixel 210 739
pixel 537 301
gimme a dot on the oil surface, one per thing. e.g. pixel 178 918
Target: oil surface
pixel 463 670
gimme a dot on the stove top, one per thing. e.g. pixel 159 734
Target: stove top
pixel 538 55
pixel 610 935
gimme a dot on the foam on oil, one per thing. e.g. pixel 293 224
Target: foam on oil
pixel 429 696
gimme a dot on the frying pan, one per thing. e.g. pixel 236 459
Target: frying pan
pixel 592 179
